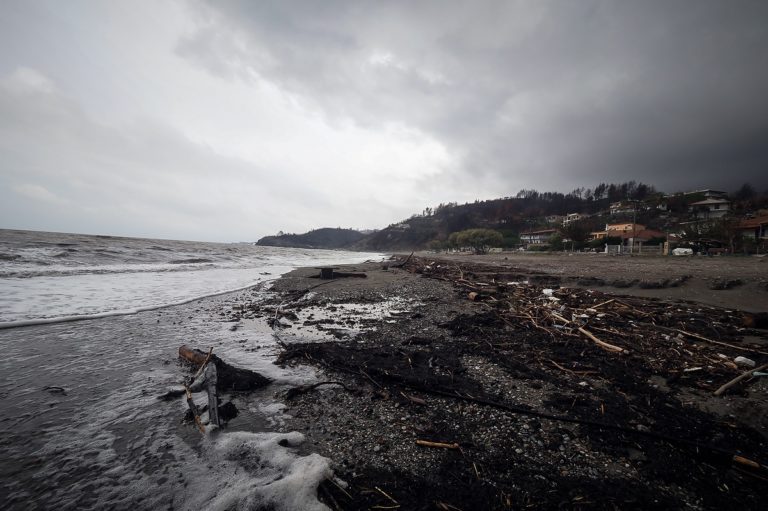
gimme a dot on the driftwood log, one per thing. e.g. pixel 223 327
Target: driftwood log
pixel 739 378
pixel 228 376
pixel 207 377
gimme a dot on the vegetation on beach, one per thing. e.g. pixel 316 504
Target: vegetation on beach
pixel 478 240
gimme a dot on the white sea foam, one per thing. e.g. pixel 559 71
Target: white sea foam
pixel 123 312
pixel 48 277
pixel 254 471
pixel 80 420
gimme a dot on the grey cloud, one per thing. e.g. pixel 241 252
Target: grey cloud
pixel 63 170
pixel 551 94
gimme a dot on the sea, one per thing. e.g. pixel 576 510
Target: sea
pixel 90 328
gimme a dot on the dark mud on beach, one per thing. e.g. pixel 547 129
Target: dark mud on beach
pixel 520 416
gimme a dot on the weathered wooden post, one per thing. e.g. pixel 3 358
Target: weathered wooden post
pixel 326 273
pixel 213 398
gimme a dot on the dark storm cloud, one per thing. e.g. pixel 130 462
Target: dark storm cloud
pixel 548 94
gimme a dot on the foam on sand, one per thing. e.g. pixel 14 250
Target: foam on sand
pixel 260 471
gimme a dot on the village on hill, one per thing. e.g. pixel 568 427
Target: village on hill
pixel 621 218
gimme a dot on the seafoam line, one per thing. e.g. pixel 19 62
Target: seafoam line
pixel 125 312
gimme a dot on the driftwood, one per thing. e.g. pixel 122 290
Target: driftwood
pixel 606 346
pixel 401 265
pixel 439 445
pixel 194 410
pixel 213 374
pixel 711 341
pixel 739 378
pixel 208 379
pixel 602 344
pixel 228 376
pixel 331 273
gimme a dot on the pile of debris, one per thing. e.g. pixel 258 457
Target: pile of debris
pixel 668 339
pixel 625 371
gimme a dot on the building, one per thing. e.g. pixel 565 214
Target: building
pixel 710 194
pixel 630 227
pixel 618 208
pixel 754 228
pixel 537 237
pixel 624 231
pixel 710 208
pixel 573 217
pixel 554 219
pixel 706 194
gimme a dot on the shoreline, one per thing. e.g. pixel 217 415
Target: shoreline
pixel 388 373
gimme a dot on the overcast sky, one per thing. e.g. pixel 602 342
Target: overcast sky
pixel 230 120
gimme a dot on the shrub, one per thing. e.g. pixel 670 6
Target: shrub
pixel 479 240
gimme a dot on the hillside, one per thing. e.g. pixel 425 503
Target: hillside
pixel 589 209
pixel 510 216
pixel 574 215
pixel 319 238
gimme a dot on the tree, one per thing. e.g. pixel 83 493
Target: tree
pixel 556 242
pixel 479 240
pixel 746 192
pixel 436 245
pixel 726 231
pixel 578 231
pixel 453 241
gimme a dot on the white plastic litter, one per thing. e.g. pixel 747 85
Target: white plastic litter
pixel 744 362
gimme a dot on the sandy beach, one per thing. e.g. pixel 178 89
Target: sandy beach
pixel 446 403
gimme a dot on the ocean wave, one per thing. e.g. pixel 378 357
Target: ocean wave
pixel 124 312
pixel 69 271
pixel 191 260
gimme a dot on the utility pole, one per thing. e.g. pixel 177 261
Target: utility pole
pixel 634 219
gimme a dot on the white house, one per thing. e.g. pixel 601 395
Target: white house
pixel 572 217
pixel 710 208
pixel 622 207
pixel 539 237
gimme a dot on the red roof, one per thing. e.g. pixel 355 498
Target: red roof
pixel 753 223
pixel 644 234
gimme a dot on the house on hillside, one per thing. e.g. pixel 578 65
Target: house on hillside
pixel 710 194
pixel 572 217
pixel 755 229
pixel 678 202
pixel 705 194
pixel 554 219
pixel 537 237
pixel 624 228
pixel 621 207
pixel 710 208
pixel 623 231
